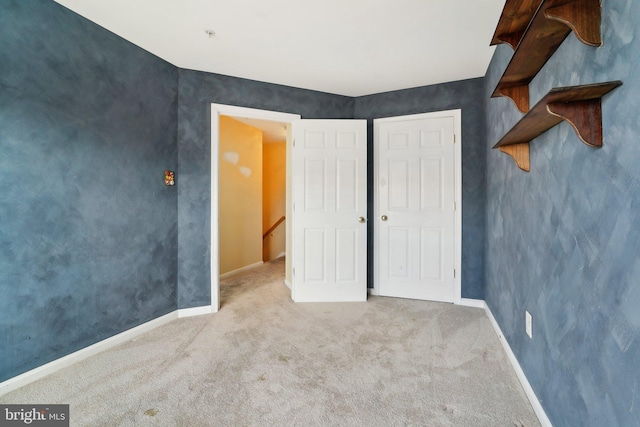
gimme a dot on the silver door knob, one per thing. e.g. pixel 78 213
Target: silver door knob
pixel 362 219
pixel 384 217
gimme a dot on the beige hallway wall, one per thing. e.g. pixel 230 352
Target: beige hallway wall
pixel 240 195
pixel 274 197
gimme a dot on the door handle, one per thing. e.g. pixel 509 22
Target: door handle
pixel 384 217
pixel 362 219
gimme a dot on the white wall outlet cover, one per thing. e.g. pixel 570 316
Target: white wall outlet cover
pixel 528 325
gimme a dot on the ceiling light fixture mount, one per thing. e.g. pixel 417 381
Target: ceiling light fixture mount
pixel 210 33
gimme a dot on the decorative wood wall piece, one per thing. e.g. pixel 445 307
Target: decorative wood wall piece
pixel 580 106
pixel 540 37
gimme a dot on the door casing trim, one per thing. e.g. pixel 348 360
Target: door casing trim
pixel 229 110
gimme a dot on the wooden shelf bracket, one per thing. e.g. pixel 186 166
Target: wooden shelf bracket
pixel 584 116
pixel 518 94
pixel 514 20
pixel 580 106
pixel 582 16
pixel 540 28
pixel 519 153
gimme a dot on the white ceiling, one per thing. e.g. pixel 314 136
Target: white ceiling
pixel 346 47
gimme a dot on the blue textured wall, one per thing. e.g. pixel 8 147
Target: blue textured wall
pixel 197 91
pixel 563 241
pixel 466 95
pixel 88 231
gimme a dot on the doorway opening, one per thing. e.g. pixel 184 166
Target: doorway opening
pixel 243 165
pixel 252 190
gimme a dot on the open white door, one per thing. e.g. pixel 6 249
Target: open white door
pixel 416 217
pixel 329 210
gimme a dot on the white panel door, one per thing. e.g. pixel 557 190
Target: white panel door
pixel 329 210
pixel 415 208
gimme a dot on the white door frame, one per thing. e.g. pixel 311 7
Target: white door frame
pixel 457 130
pixel 229 110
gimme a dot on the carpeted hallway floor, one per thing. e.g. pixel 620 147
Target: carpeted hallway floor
pixel 265 361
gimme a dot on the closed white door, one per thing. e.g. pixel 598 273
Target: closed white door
pixel 329 210
pixel 415 215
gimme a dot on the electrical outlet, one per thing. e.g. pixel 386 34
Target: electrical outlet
pixel 527 318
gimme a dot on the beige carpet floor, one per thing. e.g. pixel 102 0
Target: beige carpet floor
pixel 265 361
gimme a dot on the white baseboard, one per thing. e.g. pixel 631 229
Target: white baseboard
pixel 533 399
pixel 280 255
pixel 286 282
pixel 468 302
pixel 240 270
pixel 68 360
pixel 194 311
pixel 49 368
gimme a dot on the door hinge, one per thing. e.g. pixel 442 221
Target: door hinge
pixel 454 273
pixel 455 207
pixel 294 142
pixel 294 271
pixel 454 138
